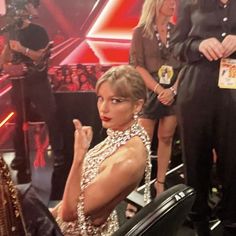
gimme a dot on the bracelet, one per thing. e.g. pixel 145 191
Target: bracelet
pixel 173 91
pixel 26 51
pixel 155 88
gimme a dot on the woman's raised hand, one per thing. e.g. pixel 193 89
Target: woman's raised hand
pixel 83 137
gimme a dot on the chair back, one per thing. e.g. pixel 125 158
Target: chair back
pixel 38 219
pixel 163 216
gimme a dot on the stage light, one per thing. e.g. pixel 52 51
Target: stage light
pixel 4 77
pixel 9 116
pixel 116 20
pixel 102 52
pixel 5 90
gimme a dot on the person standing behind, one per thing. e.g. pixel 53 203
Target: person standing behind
pixel 205 39
pixel 28 44
pixel 150 55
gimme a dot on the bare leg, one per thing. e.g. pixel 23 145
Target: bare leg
pixel 148 125
pixel 166 129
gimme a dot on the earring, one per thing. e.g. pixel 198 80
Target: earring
pixel 135 116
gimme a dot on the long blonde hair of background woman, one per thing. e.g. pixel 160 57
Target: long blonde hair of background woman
pixel 148 16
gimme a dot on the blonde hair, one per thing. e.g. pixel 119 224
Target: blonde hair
pixel 148 16
pixel 126 82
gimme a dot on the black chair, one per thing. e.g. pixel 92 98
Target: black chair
pixel 163 215
pixel 38 219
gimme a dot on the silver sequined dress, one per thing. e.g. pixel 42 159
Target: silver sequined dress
pixel 93 159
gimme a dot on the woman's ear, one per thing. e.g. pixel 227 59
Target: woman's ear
pixel 138 105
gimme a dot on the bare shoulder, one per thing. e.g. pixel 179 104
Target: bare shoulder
pixel 132 156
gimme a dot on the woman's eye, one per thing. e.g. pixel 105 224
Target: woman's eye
pixel 112 100
pixel 116 100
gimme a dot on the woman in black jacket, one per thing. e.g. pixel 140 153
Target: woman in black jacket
pixel 205 39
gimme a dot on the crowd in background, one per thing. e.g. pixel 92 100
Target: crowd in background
pixel 75 77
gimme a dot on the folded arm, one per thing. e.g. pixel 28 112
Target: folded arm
pixel 137 60
pixel 184 47
pixel 35 55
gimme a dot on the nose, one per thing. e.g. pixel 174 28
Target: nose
pixel 103 107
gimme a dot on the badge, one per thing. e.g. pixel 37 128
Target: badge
pixel 227 73
pixel 165 74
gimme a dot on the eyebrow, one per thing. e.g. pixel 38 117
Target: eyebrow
pixel 115 96
pixel 122 98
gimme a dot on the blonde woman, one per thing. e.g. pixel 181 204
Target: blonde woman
pixel 102 177
pixel 150 55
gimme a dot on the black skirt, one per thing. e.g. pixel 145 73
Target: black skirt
pixel 154 109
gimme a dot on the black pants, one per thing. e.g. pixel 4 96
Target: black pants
pixel 207 117
pixel 39 94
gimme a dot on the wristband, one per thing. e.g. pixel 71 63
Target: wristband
pixel 173 91
pixel 26 51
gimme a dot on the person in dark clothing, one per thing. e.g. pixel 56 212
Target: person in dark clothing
pixel 21 210
pixel 205 39
pixel 28 43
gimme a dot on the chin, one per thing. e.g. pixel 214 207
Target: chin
pixel 105 125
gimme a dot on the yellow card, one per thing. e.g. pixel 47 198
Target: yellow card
pixel 227 73
pixel 165 74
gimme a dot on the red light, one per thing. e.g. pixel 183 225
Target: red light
pixel 2 78
pixel 116 20
pixel 102 52
pixel 5 90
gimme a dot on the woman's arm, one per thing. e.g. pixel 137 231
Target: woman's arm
pixel 149 81
pixel 83 137
pixel 119 176
pixel 167 96
pixel 188 47
pixel 137 55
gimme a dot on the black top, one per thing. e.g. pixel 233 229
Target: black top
pixel 195 24
pixel 146 53
pixel 33 37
